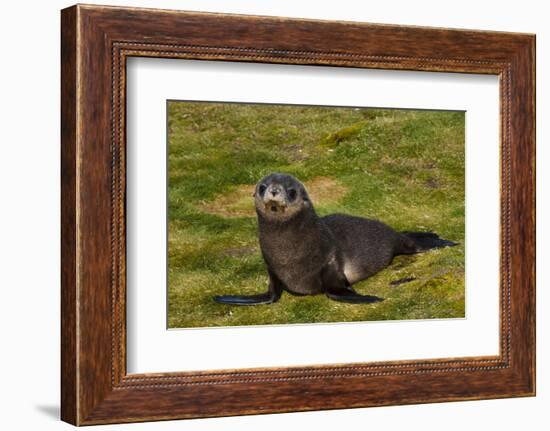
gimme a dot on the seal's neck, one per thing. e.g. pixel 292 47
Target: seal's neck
pixel 305 219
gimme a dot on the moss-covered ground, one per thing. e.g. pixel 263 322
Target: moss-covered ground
pixel 403 167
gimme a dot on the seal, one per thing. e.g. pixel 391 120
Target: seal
pixel 309 255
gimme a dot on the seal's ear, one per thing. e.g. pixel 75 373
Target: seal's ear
pixel 254 194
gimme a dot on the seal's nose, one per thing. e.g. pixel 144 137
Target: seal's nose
pixel 274 190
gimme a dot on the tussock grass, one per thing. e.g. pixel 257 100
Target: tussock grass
pixel 405 168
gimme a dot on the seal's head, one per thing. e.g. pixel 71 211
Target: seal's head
pixel 279 197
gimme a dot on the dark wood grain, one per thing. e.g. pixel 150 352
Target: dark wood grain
pixel 69 397
pixel 96 41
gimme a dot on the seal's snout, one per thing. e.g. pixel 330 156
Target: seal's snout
pixel 274 190
pixel 275 205
pixel 274 199
pixel 278 197
pixel 274 195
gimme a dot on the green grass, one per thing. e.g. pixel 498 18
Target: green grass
pixel 405 168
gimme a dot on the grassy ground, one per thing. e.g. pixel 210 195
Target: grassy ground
pixel 405 168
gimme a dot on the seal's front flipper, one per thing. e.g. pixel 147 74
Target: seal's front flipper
pixel 347 294
pixel 272 295
pixel 262 298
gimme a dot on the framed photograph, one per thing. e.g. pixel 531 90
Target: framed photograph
pixel 264 215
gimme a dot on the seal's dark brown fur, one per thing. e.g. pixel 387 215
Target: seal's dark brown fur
pixel 308 255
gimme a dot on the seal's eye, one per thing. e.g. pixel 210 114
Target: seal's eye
pixel 292 194
pixel 261 189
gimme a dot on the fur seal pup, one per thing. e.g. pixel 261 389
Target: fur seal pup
pixel 308 255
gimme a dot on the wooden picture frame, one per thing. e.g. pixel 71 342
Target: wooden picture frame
pixel 95 43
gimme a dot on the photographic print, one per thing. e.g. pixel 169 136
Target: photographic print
pixel 233 199
pixel 209 248
pixel 286 214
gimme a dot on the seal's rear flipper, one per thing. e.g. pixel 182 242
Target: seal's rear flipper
pixel 262 298
pixel 424 241
pixel 350 296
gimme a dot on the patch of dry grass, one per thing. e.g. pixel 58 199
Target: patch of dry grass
pixel 239 201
